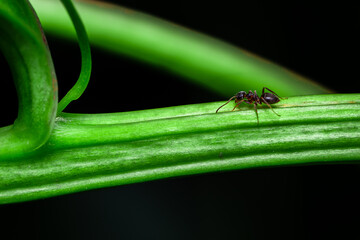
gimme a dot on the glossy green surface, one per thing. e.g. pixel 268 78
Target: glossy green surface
pixel 41 156
pixel 204 60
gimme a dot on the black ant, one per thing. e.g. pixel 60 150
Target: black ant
pixel 267 98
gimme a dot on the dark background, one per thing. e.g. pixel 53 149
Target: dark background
pixel 304 202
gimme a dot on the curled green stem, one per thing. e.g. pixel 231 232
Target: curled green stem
pixel 24 47
pixel 77 90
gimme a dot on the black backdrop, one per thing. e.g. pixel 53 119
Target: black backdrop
pixel 305 202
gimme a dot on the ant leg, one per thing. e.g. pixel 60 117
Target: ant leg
pixel 237 105
pixel 272 92
pixel 257 115
pixel 262 99
pixel 225 103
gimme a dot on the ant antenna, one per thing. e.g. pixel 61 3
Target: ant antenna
pixel 225 103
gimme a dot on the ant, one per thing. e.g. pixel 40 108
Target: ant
pixel 252 97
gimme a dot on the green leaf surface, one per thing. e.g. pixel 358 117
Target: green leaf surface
pixel 101 150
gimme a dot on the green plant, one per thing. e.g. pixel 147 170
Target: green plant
pixel 79 151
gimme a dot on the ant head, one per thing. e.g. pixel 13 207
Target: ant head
pixel 240 95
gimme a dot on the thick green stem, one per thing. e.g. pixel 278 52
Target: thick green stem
pixel 99 150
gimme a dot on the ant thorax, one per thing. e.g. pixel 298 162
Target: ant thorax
pixel 252 97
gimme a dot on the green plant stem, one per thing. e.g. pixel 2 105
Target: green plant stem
pixel 25 48
pixel 77 90
pixel 100 150
pixel 219 66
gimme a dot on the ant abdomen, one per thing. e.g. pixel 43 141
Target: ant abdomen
pixel 270 98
